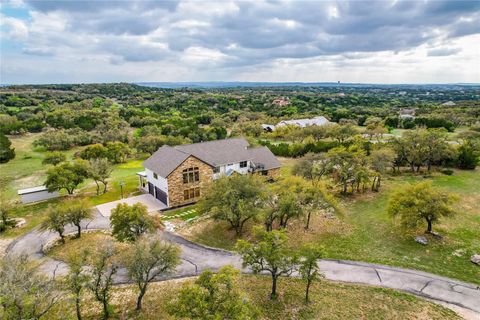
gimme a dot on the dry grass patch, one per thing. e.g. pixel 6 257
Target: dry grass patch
pixel 89 241
pixel 330 300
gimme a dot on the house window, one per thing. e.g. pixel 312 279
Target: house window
pixel 191 175
pixel 191 193
pixel 155 175
pixel 243 164
pixel 216 170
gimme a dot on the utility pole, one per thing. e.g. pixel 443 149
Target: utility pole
pixel 122 183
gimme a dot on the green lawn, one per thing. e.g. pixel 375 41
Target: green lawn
pixel 124 172
pixel 26 169
pixel 187 213
pixel 365 232
pixel 329 300
pixel 375 238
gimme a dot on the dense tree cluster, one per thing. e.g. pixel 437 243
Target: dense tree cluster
pixel 101 113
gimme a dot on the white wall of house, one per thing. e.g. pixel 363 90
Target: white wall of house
pixel 160 182
pixel 234 166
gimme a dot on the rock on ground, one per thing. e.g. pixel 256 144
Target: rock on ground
pixel 421 240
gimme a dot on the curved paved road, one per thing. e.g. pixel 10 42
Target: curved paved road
pixel 460 296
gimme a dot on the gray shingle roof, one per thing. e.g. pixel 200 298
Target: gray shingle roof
pixel 218 152
pixel 262 156
pixel 165 160
pixel 214 153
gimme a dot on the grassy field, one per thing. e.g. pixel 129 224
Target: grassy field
pixel 356 302
pixel 364 231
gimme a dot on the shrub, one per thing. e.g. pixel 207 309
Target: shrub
pixel 448 172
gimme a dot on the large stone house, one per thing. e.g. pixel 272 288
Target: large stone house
pixel 178 175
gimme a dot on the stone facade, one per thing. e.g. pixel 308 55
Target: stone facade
pixel 176 187
pixel 273 173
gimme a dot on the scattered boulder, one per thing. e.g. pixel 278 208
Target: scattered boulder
pixel 170 227
pixel 458 253
pixel 329 213
pixel 19 222
pixel 421 240
pixel 475 259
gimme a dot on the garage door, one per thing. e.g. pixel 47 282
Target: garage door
pixel 160 195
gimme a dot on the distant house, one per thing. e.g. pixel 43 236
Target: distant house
pixel 317 121
pixel 281 102
pixel 449 104
pixel 179 175
pixel 407 113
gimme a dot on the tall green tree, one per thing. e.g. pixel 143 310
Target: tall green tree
pixel 54 158
pixel 467 157
pixel 7 153
pixel 25 292
pixel 56 221
pixel 6 209
pixel 289 206
pixel 75 212
pixel 308 265
pixel 348 166
pixel 66 176
pixel 213 296
pixel 235 199
pixel 420 202
pixel 103 267
pixel 117 152
pixel 100 170
pixel 77 279
pixel 269 253
pixel 380 160
pixel 147 259
pixel 312 167
pixel 315 199
pixel 436 146
pixel 130 222
pixel 94 151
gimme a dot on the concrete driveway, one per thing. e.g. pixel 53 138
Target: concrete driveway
pixel 152 204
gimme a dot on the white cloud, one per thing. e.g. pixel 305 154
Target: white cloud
pixel 394 41
pixel 13 28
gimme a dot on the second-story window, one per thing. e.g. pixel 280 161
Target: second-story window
pixel 216 169
pixel 191 175
pixel 155 175
pixel 243 164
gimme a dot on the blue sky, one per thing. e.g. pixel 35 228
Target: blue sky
pixel 311 41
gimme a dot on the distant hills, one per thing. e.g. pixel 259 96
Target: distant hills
pixel 221 84
pixel 240 84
